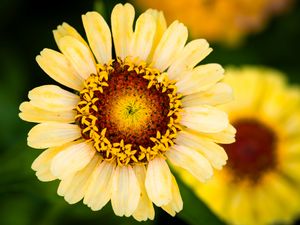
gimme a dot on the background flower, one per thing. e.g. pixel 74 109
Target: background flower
pixel 25 28
pixel 260 184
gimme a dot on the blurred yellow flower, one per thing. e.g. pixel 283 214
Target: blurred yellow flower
pixel 109 140
pixel 261 182
pixel 218 20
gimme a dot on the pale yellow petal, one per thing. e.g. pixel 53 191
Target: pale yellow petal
pixel 122 18
pixel 99 36
pixel 213 152
pixel 66 30
pixel 142 39
pixel 188 58
pixel 73 188
pixel 72 159
pixel 161 26
pixel 145 209
pixel 53 98
pixel 159 182
pixel 190 160
pixel 79 55
pixel 218 94
pixel 34 114
pixel 176 203
pixel 125 191
pixel 204 119
pixel 226 136
pixel 59 69
pixel 52 134
pixel 170 45
pixel 200 78
pixel 42 164
pixel 100 187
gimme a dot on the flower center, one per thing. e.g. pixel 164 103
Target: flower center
pixel 253 153
pixel 129 112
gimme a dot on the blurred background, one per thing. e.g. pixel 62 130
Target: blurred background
pixel 269 38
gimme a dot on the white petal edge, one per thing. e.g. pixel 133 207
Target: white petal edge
pixel 200 78
pixel 145 209
pixel 190 160
pixel 53 98
pixel 158 182
pixel 226 136
pixel 34 114
pixel 204 119
pixel 170 45
pixel 79 55
pixel 73 188
pixel 59 69
pixel 100 187
pixel 213 152
pixel 72 159
pixel 122 18
pixel 176 203
pixel 99 36
pixel 189 57
pixel 52 134
pixel 125 191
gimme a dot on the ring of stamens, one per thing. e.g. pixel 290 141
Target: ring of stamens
pixel 130 113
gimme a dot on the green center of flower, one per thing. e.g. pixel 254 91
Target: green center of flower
pixel 254 151
pixel 130 113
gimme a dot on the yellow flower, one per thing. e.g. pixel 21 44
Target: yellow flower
pixel 261 182
pixel 109 140
pixel 218 20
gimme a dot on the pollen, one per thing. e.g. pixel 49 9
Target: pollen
pixel 130 113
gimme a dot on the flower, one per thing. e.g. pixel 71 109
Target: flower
pixel 260 184
pixel 109 140
pixel 221 21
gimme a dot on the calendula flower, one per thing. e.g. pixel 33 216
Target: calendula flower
pixel 109 139
pixel 260 183
pixel 218 20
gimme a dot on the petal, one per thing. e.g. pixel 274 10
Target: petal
pixel 176 203
pixel 99 36
pixel 200 78
pixel 53 98
pixel 190 56
pixel 100 186
pixel 52 134
pixel 218 94
pixel 159 182
pixel 122 18
pixel 161 26
pixel 145 208
pixel 34 114
pixel 226 136
pixel 213 152
pixel 204 119
pixel 143 35
pixel 66 30
pixel 72 159
pixel 166 52
pixel 73 188
pixel 125 191
pixel 79 56
pixel 192 161
pixel 42 164
pixel 59 69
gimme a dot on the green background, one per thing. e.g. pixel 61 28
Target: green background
pixel 26 28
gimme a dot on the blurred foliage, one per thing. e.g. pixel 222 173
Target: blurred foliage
pixel 26 28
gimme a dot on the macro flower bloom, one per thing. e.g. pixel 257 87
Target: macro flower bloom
pixel 260 183
pixel 218 20
pixel 109 139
